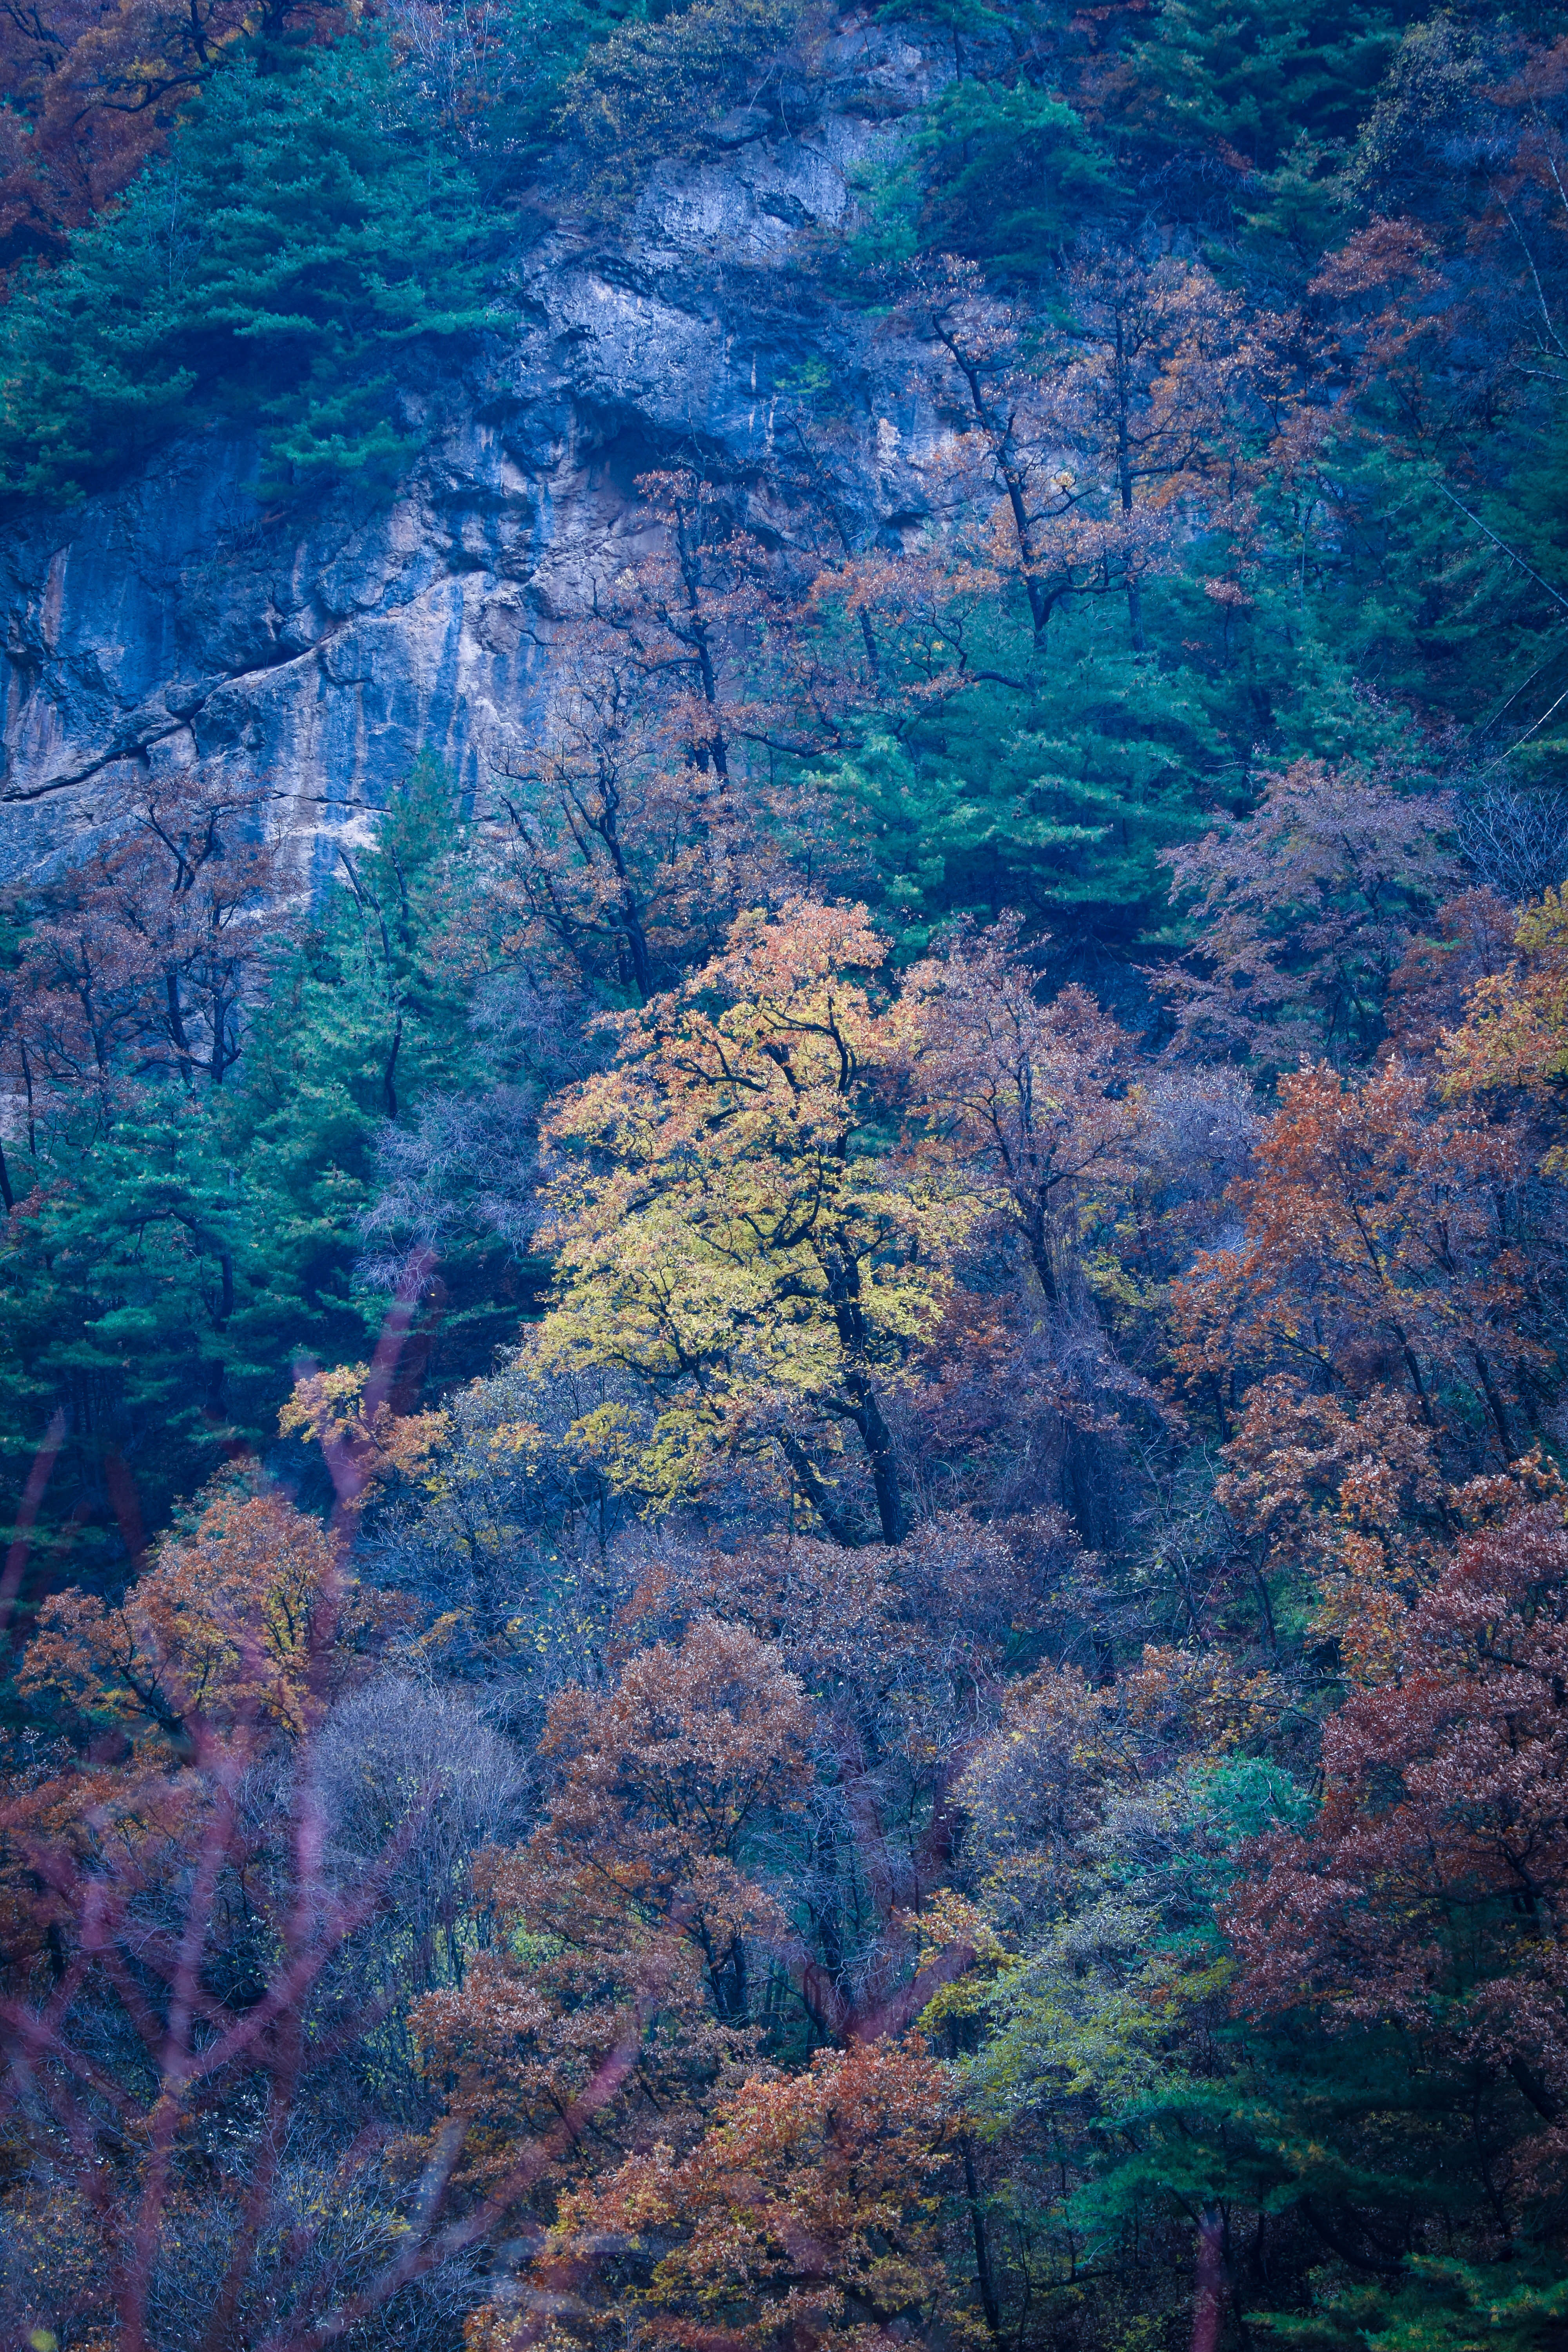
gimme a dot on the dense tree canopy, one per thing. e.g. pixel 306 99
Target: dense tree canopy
pixel 786 1550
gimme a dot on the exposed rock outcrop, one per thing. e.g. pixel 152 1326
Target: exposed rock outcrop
pixel 174 620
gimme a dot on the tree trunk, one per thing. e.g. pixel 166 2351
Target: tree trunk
pixel 878 1440
pixel 1040 1258
pixel 983 2272
pixel 1494 1403
pixel 388 1082
pixel 1125 484
pixel 1208 2286
pixel 816 1493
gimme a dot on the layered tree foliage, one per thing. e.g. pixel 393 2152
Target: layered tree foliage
pixel 753 1254
pixel 91 92
pixel 280 292
pixel 786 1548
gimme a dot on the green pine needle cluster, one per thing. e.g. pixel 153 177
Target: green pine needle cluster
pixel 270 272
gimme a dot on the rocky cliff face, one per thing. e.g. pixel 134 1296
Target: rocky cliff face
pixel 173 621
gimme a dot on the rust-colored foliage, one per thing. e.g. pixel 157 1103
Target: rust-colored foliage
pixel 807 2212
pixel 1343 1500
pixel 94 87
pixel 175 1959
pixel 232 1625
pixel 1147 393
pixel 1430 1888
pixel 904 1653
pixel 628 1917
pixel 142 958
pixel 996 1519
pixel 1039 1098
pixel 1306 910
pixel 1374 1246
pixel 1471 939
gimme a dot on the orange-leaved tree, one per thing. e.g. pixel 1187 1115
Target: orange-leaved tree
pixel 143 959
pixel 1340 1512
pixel 1380 1241
pixel 182 2046
pixel 742 1231
pixel 1037 1096
pixel 92 87
pixel 626 1928
pixel 239 1621
pixel 807 2213
pixel 1430 1891
pixel 1304 911
pixel 902 1650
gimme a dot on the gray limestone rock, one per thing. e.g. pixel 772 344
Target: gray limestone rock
pixel 172 620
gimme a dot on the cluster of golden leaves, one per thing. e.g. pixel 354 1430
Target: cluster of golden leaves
pixel 739 1228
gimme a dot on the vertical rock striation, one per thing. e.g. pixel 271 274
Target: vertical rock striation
pixel 314 652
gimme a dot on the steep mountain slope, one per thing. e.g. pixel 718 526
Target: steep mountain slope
pixel 315 650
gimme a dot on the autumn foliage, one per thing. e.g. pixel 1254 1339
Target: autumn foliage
pixel 809 2204
pixel 1428 1890
pixel 91 92
pixel 786 1561
pixel 754 1252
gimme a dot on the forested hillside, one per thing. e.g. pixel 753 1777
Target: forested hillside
pixel 788 1531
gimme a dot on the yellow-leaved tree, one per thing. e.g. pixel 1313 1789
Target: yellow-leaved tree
pixel 1515 1032
pixel 742 1231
